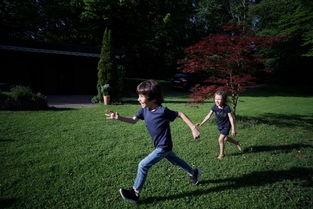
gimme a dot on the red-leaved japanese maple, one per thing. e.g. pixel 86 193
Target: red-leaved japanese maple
pixel 230 60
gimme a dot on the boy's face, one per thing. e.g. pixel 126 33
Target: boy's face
pixel 218 100
pixel 144 101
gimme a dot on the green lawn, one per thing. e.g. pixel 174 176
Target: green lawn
pixel 76 158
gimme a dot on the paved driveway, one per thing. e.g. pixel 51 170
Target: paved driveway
pixel 70 101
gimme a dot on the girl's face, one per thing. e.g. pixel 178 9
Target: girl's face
pixel 219 100
pixel 144 101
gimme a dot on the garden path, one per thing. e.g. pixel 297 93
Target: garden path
pixel 70 101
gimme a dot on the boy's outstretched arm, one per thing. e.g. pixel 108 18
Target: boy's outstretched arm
pixel 115 116
pixel 205 119
pixel 194 130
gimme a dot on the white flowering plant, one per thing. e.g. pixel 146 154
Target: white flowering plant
pixel 105 89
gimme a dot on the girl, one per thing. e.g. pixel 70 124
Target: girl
pixel 225 121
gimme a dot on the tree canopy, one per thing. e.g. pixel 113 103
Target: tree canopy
pixel 230 61
pixel 153 34
pixel 294 18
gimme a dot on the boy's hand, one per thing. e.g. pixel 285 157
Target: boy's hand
pixel 233 132
pixel 112 115
pixel 195 133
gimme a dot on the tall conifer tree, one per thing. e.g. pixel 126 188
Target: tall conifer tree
pixel 105 64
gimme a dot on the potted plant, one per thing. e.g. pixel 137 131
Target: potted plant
pixel 105 90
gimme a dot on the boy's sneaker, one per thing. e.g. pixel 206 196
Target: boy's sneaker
pixel 195 176
pixel 129 195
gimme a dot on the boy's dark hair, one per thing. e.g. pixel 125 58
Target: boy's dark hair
pixel 152 90
pixel 223 94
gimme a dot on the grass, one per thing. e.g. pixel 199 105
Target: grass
pixel 74 158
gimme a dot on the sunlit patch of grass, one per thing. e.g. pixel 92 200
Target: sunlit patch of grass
pixel 76 158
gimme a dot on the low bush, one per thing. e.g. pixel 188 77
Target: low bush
pixel 22 98
pixel 5 100
pixel 95 100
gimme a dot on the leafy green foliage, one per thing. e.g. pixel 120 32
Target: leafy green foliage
pixel 296 21
pixel 293 18
pixel 152 34
pixel 19 18
pixel 300 24
pixel 287 17
pixel 210 16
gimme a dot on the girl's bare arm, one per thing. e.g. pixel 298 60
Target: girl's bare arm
pixel 194 130
pixel 205 119
pixel 232 123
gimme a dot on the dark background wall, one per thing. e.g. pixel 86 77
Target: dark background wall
pixel 49 73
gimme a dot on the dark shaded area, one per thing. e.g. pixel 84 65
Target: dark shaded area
pixel 6 203
pixel 283 148
pixel 60 109
pixel 72 99
pixel 279 120
pixel 274 148
pixel 49 73
pixel 6 140
pixel 268 90
pixel 257 178
pixel 261 178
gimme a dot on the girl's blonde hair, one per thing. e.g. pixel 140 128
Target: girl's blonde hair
pixel 223 94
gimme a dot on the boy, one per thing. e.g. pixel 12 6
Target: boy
pixel 157 120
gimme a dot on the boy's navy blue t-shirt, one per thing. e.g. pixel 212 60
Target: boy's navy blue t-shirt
pixel 222 116
pixel 158 125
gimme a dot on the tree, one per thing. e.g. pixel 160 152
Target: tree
pixel 110 68
pixel 230 61
pixel 210 15
pixel 105 64
pixel 19 19
pixel 295 18
pixel 150 32
pixel 42 21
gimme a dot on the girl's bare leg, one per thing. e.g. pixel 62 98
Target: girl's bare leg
pixel 221 140
pixel 233 141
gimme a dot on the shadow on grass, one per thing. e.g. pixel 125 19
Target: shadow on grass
pixel 281 148
pixel 280 90
pixel 6 203
pixel 280 120
pixel 6 140
pixel 258 178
